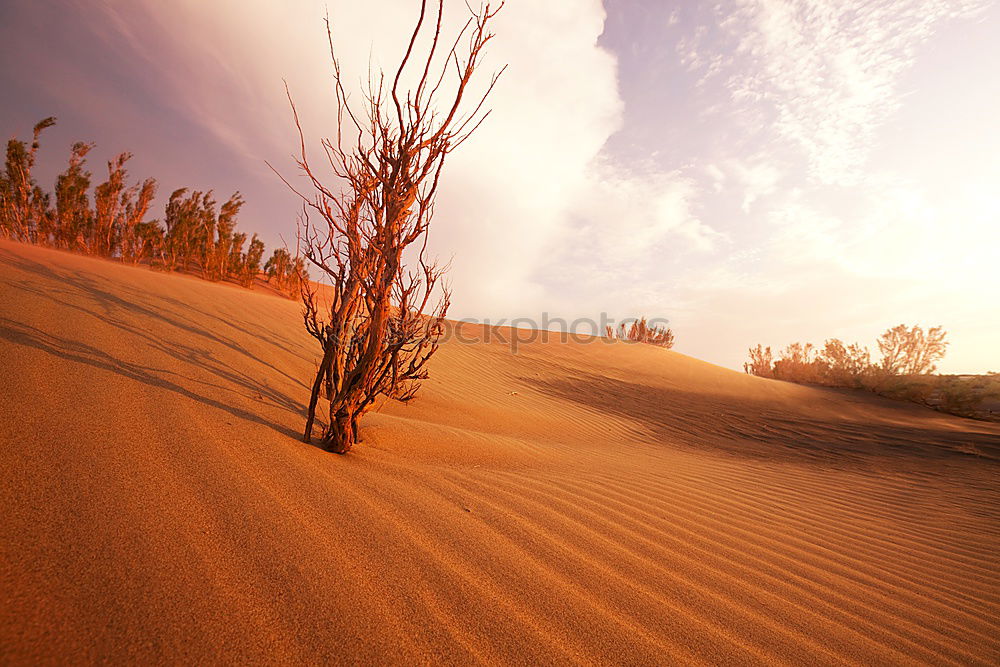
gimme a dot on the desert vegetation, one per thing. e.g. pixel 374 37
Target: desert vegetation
pixel 110 219
pixel 905 370
pixel 640 331
pixel 383 320
pixel 285 272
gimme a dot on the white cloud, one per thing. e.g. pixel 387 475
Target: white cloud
pixel 758 178
pixel 830 70
pixel 505 192
pixel 634 215
pixel 717 176
pixel 632 232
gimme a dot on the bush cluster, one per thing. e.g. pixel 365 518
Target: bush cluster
pixel 641 331
pixel 905 370
pixel 109 220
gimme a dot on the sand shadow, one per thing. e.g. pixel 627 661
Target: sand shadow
pixel 110 302
pixel 125 311
pixel 767 430
pixel 70 350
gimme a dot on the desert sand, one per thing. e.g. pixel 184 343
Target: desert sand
pixel 572 503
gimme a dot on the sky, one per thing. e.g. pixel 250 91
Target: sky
pixel 754 171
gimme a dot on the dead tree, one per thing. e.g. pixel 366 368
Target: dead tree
pixel 382 322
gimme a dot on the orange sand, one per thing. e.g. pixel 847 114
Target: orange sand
pixel 571 503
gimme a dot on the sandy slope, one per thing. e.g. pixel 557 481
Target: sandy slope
pixel 571 503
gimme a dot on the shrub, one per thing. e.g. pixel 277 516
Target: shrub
pixel 116 226
pixel 382 327
pixel 909 351
pixel 640 331
pixel 761 362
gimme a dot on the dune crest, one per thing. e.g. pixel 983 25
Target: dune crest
pixel 570 503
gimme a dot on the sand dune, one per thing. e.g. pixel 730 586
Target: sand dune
pixel 573 503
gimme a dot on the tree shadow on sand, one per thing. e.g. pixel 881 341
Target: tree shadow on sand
pixel 28 336
pixel 68 289
pixel 74 284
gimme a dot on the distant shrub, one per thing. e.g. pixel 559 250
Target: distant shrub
pixel 975 396
pixel 913 388
pixel 641 331
pixel 285 272
pixel 910 351
pixel 112 223
pixel 798 363
pixel 904 372
pixel 761 362
pixel 844 365
pixel 959 396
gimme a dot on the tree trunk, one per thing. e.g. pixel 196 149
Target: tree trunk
pixel 322 377
pixel 342 433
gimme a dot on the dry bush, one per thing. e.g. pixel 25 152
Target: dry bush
pixel 73 215
pixel 843 365
pixel 958 396
pixel 905 371
pixel 640 331
pixel 382 324
pixel 285 273
pixel 798 363
pixel 976 396
pixel 113 222
pixel 909 351
pixel 249 264
pixel 761 362
pixel 277 267
pixel 24 206
pixel 914 388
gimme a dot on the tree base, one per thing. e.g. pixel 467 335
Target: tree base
pixel 341 435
